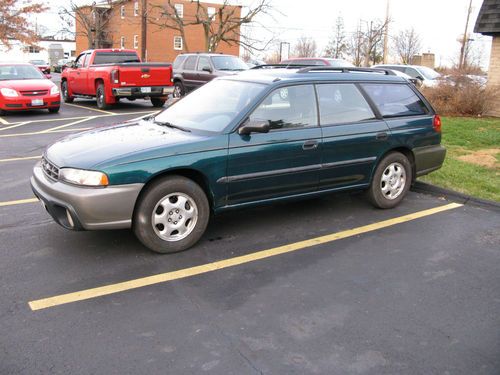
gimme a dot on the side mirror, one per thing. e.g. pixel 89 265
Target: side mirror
pixel 420 78
pixel 254 127
pixel 207 69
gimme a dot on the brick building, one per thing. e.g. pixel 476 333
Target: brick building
pixel 125 27
pixel 488 23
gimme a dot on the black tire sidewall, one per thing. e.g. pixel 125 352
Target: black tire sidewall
pixel 375 194
pixel 157 102
pixel 142 224
pixel 101 105
pixel 65 92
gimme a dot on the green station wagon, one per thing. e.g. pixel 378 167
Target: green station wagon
pixel 262 136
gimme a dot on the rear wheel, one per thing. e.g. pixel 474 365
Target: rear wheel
pixel 171 215
pixel 101 97
pixel 54 110
pixel 179 90
pixel 65 93
pixel 157 102
pixel 391 181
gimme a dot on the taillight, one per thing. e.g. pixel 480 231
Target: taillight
pixel 115 76
pixel 436 124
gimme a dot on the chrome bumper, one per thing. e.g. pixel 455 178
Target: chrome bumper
pixel 84 208
pixel 137 92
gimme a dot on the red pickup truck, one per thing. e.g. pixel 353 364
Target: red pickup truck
pixel 112 74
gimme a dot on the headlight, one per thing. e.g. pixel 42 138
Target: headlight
pixel 54 90
pixel 83 177
pixel 9 92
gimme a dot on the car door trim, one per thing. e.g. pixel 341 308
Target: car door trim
pixel 349 162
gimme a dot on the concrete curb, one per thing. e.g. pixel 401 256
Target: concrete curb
pixel 423 187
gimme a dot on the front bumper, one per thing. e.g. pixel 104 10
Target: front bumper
pixel 428 158
pixel 85 208
pixel 143 92
pixel 26 102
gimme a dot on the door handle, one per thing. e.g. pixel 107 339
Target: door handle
pixel 310 145
pixel 381 136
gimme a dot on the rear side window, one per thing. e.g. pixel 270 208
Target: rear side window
pixel 115 58
pixel 394 100
pixel 342 103
pixel 178 61
pixel 190 63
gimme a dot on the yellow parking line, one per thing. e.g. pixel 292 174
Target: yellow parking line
pixel 5 122
pixel 22 158
pixel 90 108
pixel 70 130
pixel 20 201
pixel 231 262
pixel 15 126
pixel 67 125
pixel 51 130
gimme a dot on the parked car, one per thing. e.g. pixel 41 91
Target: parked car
pixel 399 73
pixel 42 65
pixel 192 70
pixel 426 77
pixel 259 137
pixel 61 65
pixel 324 61
pixel 24 87
pixel 112 74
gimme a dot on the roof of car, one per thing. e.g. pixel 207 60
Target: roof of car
pixel 269 76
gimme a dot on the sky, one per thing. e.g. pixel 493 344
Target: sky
pixel 438 22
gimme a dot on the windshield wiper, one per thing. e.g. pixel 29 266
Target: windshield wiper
pixel 170 125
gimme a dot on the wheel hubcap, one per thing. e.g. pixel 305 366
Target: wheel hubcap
pixel 393 181
pixel 174 217
pixel 177 92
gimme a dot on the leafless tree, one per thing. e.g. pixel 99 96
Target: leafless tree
pixel 93 21
pixel 225 25
pixel 305 47
pixel 407 44
pixel 357 46
pixel 373 39
pixel 337 46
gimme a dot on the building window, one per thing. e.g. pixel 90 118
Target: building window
pixel 32 49
pixel 122 42
pixel 136 41
pixel 178 43
pixel 179 9
pixel 211 13
pixel 136 8
pixel 122 11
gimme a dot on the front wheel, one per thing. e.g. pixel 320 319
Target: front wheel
pixel 65 93
pixel 157 102
pixel 391 181
pixel 171 215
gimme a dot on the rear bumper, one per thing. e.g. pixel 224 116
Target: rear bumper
pixel 143 92
pixel 82 208
pixel 428 159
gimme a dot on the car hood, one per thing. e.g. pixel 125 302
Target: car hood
pixel 28 84
pixel 124 143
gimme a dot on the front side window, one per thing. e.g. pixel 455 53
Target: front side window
pixel 79 60
pixel 288 107
pixel 213 106
pixel 178 43
pixel 394 100
pixel 341 104
pixel 203 63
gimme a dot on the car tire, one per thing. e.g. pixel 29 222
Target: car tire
pixel 179 90
pixel 158 220
pixel 3 112
pixel 391 181
pixel 65 93
pixel 157 102
pixel 100 95
pixel 54 110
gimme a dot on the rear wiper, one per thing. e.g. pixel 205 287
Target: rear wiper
pixel 170 125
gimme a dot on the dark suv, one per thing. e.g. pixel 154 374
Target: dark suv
pixel 262 136
pixel 192 70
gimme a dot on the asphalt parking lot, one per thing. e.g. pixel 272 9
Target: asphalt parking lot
pixel 322 286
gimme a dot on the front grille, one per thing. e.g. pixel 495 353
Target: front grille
pixel 34 93
pixel 50 169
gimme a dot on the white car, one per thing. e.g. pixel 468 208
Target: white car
pixel 426 77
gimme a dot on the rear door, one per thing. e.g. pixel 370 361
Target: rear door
pixel 205 70
pixel 354 136
pixel 189 73
pixel 286 160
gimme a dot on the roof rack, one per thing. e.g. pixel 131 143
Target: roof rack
pixel 278 66
pixel 345 70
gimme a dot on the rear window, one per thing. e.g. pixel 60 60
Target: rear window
pixel 190 63
pixel 115 58
pixel 178 61
pixel 394 100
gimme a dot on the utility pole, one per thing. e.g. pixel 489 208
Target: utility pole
pixel 144 29
pixel 386 33
pixel 461 63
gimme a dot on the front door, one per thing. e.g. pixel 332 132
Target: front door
pixel 285 161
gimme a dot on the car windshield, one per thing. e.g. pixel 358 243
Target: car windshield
pixel 38 62
pixel 228 63
pixel 428 72
pixel 212 107
pixel 11 72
